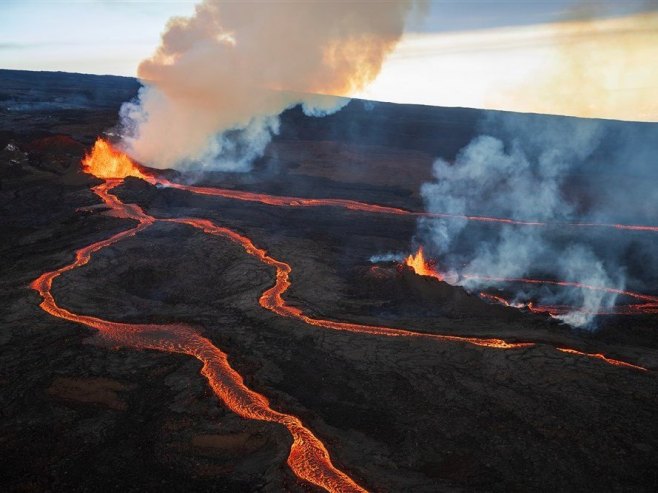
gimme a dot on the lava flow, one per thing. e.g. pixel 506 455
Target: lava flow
pixel 308 457
pixel 649 305
pixel 115 164
pixel 354 205
pixel 272 299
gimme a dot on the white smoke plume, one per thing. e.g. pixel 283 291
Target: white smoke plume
pixel 218 81
pixel 550 169
pixel 388 257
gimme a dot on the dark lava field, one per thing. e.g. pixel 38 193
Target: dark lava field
pixel 396 414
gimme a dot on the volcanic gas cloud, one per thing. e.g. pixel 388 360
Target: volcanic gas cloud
pixel 214 87
pixel 554 171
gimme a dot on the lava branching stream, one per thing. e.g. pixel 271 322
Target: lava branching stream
pixel 308 457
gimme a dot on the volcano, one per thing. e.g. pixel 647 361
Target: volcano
pixel 231 331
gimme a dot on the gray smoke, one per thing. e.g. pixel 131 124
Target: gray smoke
pixel 549 169
pixel 388 257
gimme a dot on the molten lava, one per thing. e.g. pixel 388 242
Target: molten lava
pixel 602 357
pixel 648 305
pixel 106 162
pixel 272 299
pixel 421 266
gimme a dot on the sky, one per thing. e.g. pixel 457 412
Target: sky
pixel 600 67
pixel 498 54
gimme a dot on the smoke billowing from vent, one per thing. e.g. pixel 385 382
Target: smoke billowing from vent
pixel 219 79
pixel 550 169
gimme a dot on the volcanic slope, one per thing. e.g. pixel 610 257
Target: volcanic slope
pixel 396 414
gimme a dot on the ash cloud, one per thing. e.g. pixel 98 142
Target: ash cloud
pixel 217 83
pixel 549 169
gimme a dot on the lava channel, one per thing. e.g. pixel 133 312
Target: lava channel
pixel 648 306
pixel 354 205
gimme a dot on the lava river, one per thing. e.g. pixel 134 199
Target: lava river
pixel 354 205
pixel 308 457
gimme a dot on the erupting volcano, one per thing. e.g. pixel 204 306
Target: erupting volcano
pixel 226 331
pixel 421 266
pixel 308 458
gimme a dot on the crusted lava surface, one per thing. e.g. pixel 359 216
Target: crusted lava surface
pixel 80 413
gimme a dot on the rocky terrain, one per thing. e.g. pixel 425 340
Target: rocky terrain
pixel 396 414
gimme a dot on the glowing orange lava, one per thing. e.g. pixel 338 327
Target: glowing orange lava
pixel 272 299
pixel 602 357
pixel 649 303
pixel 106 162
pixel 308 458
pixel 421 266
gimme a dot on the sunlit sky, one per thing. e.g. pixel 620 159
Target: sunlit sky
pixel 474 53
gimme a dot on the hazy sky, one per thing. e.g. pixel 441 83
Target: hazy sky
pixel 459 52
pixel 112 36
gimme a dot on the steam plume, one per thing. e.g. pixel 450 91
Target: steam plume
pixel 219 79
pixel 552 169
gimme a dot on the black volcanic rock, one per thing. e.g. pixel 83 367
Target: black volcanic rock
pixel 396 413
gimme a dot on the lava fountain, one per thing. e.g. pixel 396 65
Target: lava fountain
pixel 108 163
pixel 421 266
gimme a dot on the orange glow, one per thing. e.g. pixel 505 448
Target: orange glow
pixel 106 162
pixel 421 266
pixel 272 300
pixel 602 357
